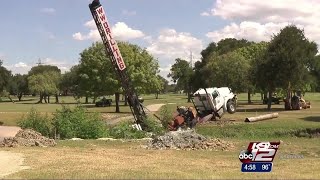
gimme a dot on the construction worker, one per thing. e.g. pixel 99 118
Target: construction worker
pixel 190 118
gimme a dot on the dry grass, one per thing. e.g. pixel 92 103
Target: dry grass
pixel 98 159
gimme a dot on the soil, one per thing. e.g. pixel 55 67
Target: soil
pixel 114 119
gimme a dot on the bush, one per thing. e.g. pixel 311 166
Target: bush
pixel 165 116
pixel 154 126
pixel 77 123
pixel 34 120
pixel 124 130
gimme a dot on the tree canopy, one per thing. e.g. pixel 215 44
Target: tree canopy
pixel 4 77
pixel 98 76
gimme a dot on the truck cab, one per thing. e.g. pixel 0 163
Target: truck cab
pixel 215 101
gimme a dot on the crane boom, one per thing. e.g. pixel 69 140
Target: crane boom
pixel 117 61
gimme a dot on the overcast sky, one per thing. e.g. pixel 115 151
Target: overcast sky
pixel 57 31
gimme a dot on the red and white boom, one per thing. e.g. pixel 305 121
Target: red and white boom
pixel 118 63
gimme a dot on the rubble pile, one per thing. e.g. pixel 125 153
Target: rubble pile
pixel 27 137
pixel 188 140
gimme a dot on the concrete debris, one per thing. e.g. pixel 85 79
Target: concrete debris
pixel 27 137
pixel 188 140
pixel 107 139
pixel 76 139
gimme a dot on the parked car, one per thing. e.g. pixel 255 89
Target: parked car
pixel 274 99
pixel 104 102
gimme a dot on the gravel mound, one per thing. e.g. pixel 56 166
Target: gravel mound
pixel 27 137
pixel 188 140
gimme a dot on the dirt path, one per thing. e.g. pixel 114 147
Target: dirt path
pixel 154 107
pixel 150 108
pixel 10 163
pixel 8 131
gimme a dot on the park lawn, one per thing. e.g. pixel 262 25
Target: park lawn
pixel 101 159
pixel 11 113
pixel 119 160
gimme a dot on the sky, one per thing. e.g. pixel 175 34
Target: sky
pixel 57 31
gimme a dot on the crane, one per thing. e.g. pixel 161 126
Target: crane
pixel 113 51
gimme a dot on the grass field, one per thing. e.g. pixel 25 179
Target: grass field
pixel 101 159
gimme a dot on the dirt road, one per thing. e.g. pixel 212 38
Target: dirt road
pixel 150 108
pixel 8 131
pixel 10 163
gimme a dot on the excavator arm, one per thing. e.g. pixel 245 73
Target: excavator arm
pixel 117 61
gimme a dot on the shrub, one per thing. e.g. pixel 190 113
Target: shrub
pixel 77 123
pixel 124 130
pixel 40 123
pixel 165 115
pixel 154 126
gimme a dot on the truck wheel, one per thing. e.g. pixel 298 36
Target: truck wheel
pixel 231 107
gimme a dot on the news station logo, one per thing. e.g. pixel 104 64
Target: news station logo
pixel 259 152
pixel 258 156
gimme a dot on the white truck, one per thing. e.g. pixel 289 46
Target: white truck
pixel 215 101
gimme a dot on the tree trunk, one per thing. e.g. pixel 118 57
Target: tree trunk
pixel 87 100
pixel 287 105
pixel 261 94
pixel 41 98
pixel 94 99
pixel 157 95
pixel 270 100
pixel 19 96
pixel 10 98
pixel 125 100
pixel 57 98
pixel 65 92
pixel 189 95
pixel 48 99
pixel 249 96
pixel 45 98
pixel 117 97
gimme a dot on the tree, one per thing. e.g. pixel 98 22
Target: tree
pixel 95 71
pixel 212 47
pixel 181 73
pixel 4 77
pixel 98 77
pixel 229 70
pixel 212 51
pixel 230 44
pixel 44 83
pixel 165 84
pixel 44 70
pixel 19 85
pixel 69 81
pixel 157 86
pixel 250 53
pixel 285 63
pixel 315 72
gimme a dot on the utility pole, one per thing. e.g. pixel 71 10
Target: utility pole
pixel 191 59
pixel 39 62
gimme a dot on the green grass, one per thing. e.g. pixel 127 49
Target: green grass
pixel 116 159
pixel 10 112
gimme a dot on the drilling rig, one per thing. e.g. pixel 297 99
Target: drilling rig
pixel 113 51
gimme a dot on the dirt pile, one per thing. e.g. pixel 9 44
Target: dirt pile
pixel 188 140
pixel 27 137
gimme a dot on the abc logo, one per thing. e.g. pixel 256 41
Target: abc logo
pixel 245 156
